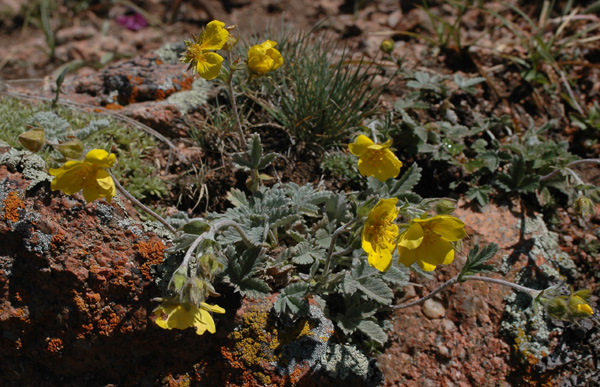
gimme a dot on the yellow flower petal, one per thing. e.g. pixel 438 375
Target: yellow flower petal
pixel 382 260
pixel 208 65
pixel 436 252
pixel 360 145
pixel 263 58
pixel 100 158
pixel 214 37
pixel 212 308
pixel 427 241
pixel 406 256
pixel 379 234
pixel 375 159
pixel 412 237
pixel 448 227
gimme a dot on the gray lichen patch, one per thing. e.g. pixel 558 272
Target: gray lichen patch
pixel 190 100
pixel 31 165
pixel 545 244
pixel 171 52
pixel 311 348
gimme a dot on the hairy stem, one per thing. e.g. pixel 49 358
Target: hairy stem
pixel 453 280
pixel 214 228
pixel 236 113
pixel 334 237
pixel 572 163
pixel 153 214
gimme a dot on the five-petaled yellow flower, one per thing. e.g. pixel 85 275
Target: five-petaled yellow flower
pixel 198 51
pixel 380 233
pixel 263 58
pixel 177 316
pixel 375 159
pixel 89 175
pixel 427 241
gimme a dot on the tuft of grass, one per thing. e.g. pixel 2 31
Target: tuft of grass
pixel 140 178
pixel 318 99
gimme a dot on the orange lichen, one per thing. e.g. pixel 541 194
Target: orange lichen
pixel 55 345
pixel 152 253
pixel 12 203
pixel 57 239
pixel 114 106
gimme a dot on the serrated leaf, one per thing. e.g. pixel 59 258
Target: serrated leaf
pixel 396 275
pixel 284 221
pixel 254 288
pixel 266 160
pixel 237 198
pixel 255 150
pixel 239 160
pixel 517 178
pixel 476 260
pixel 336 209
pixel 376 289
pixel 292 298
pixel 373 331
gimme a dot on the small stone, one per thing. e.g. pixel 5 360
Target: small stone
pixel 433 309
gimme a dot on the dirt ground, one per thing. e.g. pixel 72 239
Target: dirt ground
pixel 466 340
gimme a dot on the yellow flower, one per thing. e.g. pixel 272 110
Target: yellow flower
pixel 379 234
pixel 177 316
pixel 427 241
pixel 263 58
pixel 207 64
pixel 89 175
pixel 374 159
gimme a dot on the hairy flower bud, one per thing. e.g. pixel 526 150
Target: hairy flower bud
pixel 33 140
pixel 72 149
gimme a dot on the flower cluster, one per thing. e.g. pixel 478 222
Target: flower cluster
pixel 199 51
pixel 89 175
pixel 425 241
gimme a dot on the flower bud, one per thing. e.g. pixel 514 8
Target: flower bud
pixel 557 308
pixel 584 207
pixel 72 149
pixel 387 46
pixel 33 140
pixel 445 206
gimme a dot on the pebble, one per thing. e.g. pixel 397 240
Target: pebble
pixel 433 309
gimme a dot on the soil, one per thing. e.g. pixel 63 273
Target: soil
pixel 465 344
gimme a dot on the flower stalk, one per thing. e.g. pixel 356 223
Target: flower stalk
pixel 453 280
pixel 132 199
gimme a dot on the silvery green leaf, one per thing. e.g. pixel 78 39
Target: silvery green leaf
pixel 373 331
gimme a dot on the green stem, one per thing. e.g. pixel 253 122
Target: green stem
pixel 236 114
pixel 132 199
pixel 453 280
